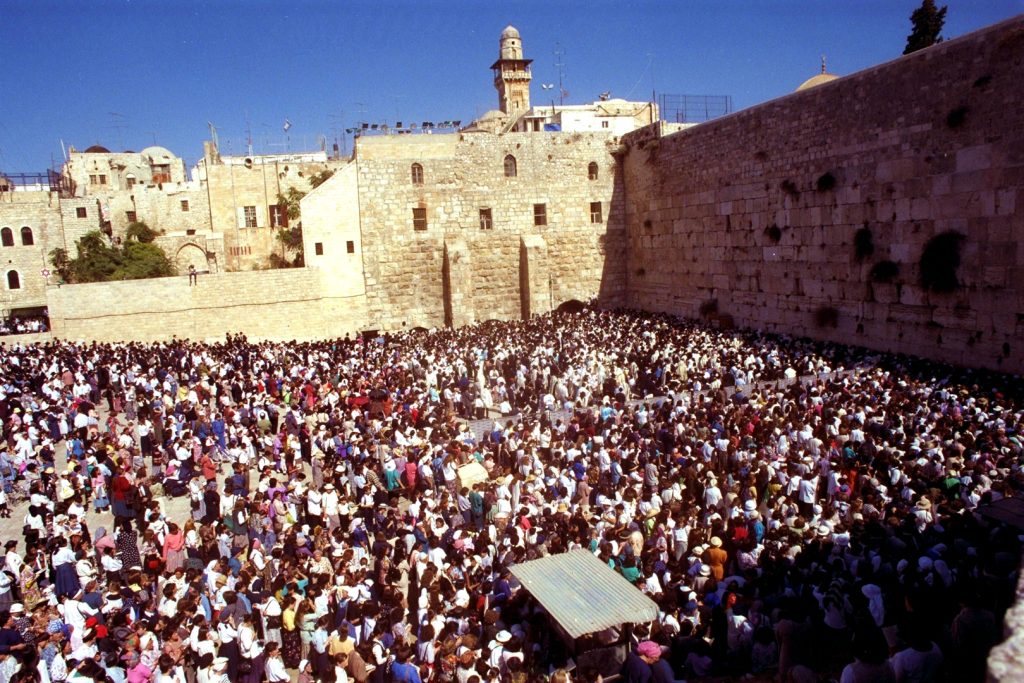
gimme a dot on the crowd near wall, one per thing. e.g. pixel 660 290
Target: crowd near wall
pixel 810 214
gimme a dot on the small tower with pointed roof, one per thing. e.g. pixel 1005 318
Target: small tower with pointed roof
pixel 512 73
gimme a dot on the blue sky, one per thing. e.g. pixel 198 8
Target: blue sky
pixel 126 74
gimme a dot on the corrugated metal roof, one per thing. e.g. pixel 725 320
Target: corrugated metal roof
pixel 584 594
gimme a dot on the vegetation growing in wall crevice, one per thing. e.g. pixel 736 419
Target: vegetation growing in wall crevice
pixel 789 187
pixel 982 81
pixel 826 181
pixel 884 271
pixel 956 117
pixel 826 316
pixel 774 233
pixel 863 244
pixel 708 308
pixel 940 260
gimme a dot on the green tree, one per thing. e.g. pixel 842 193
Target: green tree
pixel 140 232
pixel 99 261
pixel 318 179
pixel 927 21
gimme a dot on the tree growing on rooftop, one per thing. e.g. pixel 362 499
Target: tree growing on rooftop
pixel 100 261
pixel 927 22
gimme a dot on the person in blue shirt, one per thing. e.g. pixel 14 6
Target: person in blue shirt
pixel 401 670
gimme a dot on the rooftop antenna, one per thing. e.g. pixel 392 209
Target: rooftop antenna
pixel 119 124
pixel 248 133
pixel 63 150
pixel 213 135
pixel 823 64
pixel 559 64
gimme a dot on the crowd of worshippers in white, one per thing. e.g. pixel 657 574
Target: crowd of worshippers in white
pixel 796 510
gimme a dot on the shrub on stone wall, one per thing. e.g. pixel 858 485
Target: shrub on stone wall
pixel 773 233
pixel 884 271
pixel 826 316
pixel 940 260
pixel 708 308
pixel 826 181
pixel 863 244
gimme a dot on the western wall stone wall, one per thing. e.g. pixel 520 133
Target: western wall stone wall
pixel 409 280
pixel 778 216
pixel 277 305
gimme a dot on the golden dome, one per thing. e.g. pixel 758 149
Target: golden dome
pixel 818 79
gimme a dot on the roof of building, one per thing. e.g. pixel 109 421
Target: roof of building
pixel 816 80
pixel 583 594
pixel 96 149
pixel 157 153
pixel 510 32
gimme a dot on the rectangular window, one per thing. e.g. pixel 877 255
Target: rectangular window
pixel 485 219
pixel 94 179
pixel 131 216
pixel 350 247
pixel 250 216
pixel 540 214
pixel 81 212
pixel 184 205
pixel 278 216
pixel 318 247
pixel 419 218
pixel 103 180
pixel 604 124
pixel 131 181
pixel 595 212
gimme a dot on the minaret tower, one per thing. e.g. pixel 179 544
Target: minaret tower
pixel 512 73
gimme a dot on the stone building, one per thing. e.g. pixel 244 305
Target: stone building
pixel 243 194
pixel 30 226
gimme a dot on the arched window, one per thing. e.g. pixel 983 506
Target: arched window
pixel 510 166
pixel 417 174
pixel 7 237
pixel 592 172
pixel 26 236
pixel 13 280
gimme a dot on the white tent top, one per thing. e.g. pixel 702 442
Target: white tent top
pixel 583 594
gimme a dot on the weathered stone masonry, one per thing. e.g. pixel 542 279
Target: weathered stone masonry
pixel 758 212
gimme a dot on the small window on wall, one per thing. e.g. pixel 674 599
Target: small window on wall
pixel 510 166
pixel 278 216
pixel 7 237
pixel 184 205
pixel 81 212
pixel 417 174
pixel 485 219
pixel 540 214
pixel 26 236
pixel 13 280
pixel 250 216
pixel 419 218
pixel 592 171
pixel 318 248
pixel 350 247
pixel 604 124
pixel 595 212
pixel 131 216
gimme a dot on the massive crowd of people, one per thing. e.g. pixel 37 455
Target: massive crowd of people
pixel 788 529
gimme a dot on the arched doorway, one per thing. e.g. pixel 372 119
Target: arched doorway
pixel 191 255
pixel 571 306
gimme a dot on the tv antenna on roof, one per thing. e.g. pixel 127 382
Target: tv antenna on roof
pixel 559 64
pixel 213 135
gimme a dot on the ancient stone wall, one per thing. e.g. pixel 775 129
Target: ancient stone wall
pixel 459 177
pixel 278 305
pixel 810 214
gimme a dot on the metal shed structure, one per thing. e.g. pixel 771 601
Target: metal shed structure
pixel 583 594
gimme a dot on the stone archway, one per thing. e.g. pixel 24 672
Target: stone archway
pixel 191 255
